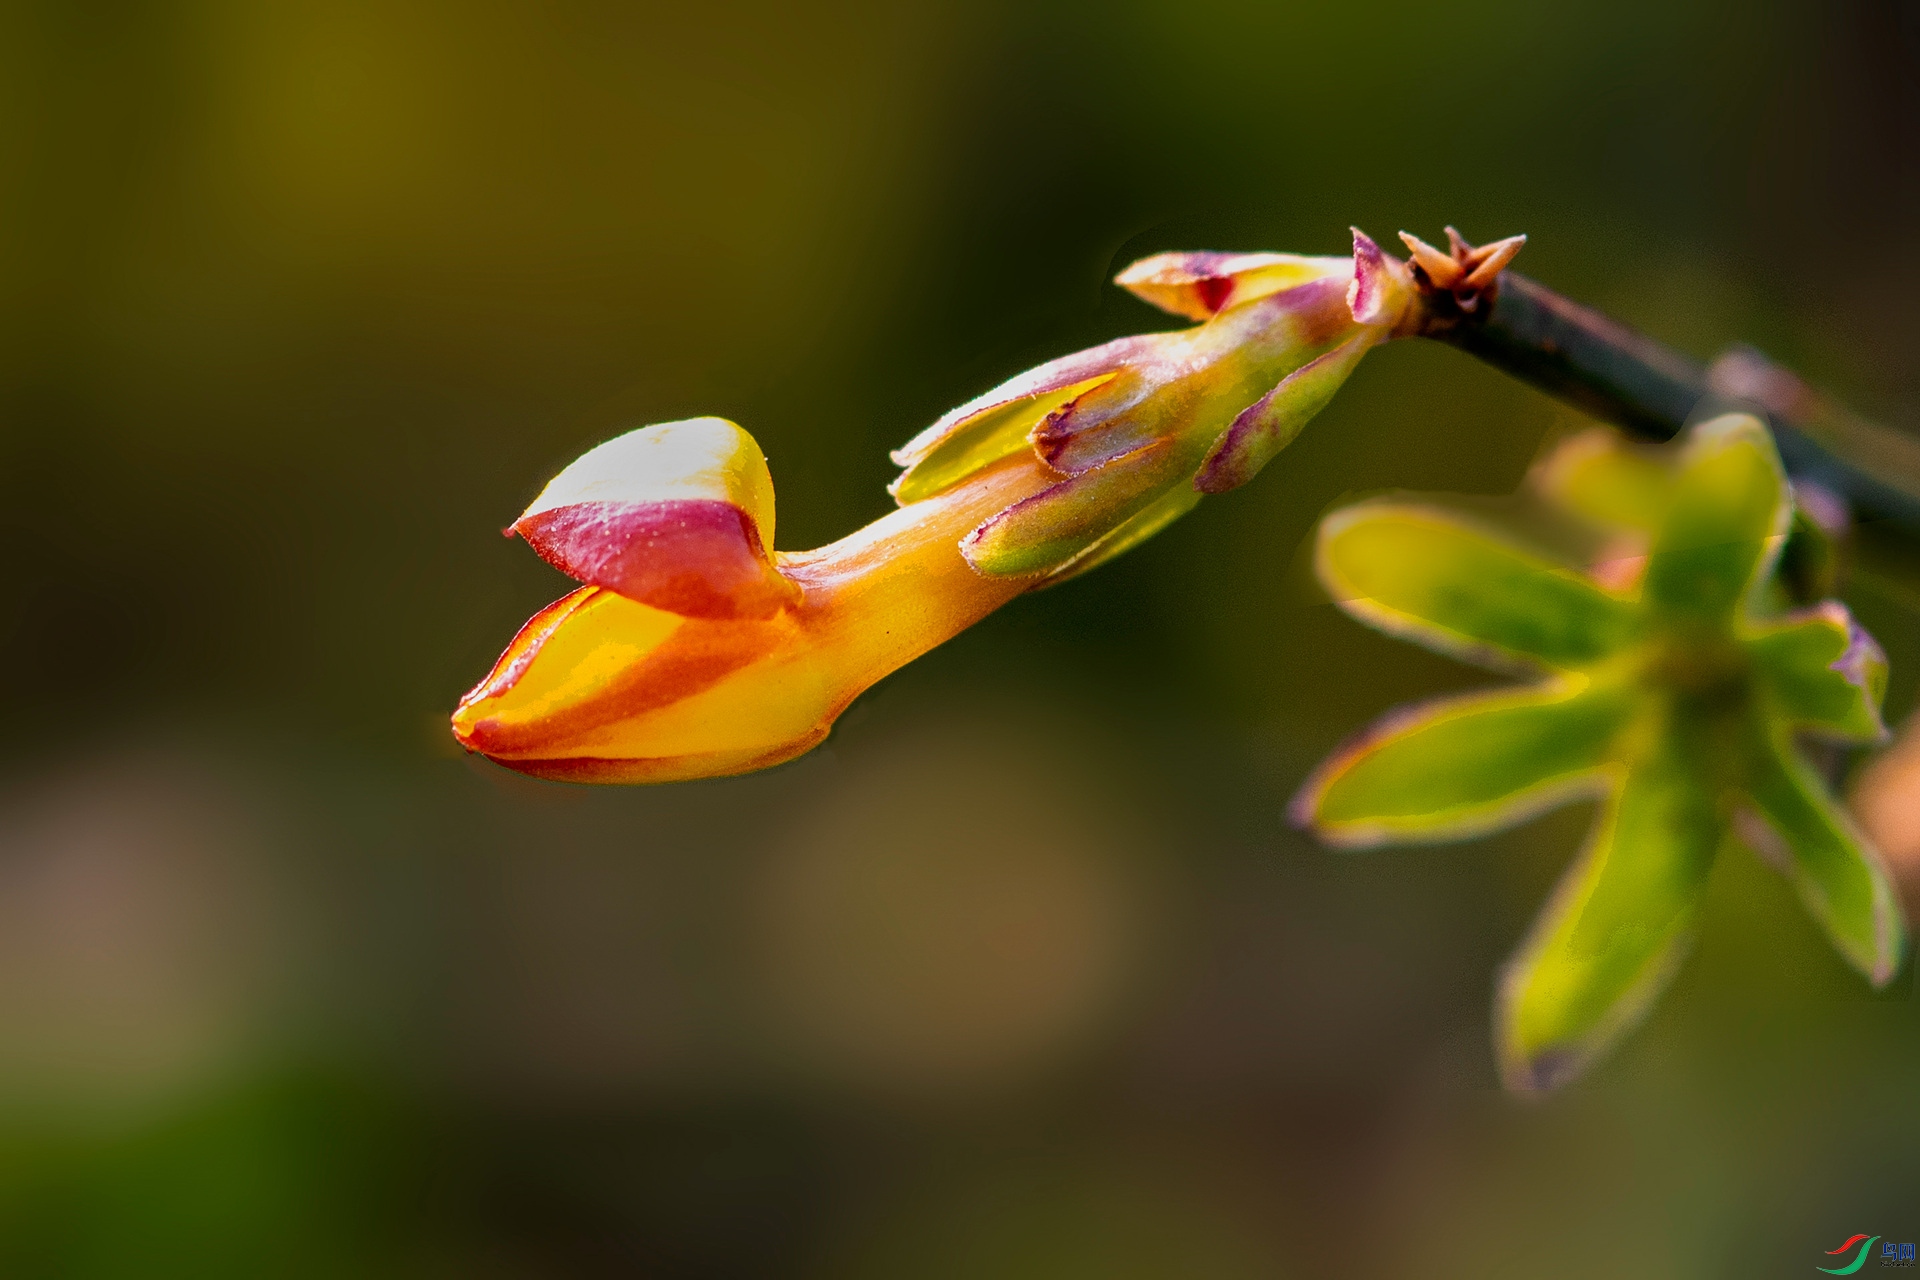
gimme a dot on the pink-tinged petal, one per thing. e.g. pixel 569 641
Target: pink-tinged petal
pixel 696 459
pixel 1270 423
pixel 677 516
pixel 1381 287
pixel 699 559
pixel 1201 285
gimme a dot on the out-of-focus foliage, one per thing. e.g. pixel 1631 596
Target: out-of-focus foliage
pixel 1674 688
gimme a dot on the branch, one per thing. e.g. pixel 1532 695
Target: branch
pixel 1618 375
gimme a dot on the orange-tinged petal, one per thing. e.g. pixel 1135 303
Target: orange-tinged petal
pixel 591 659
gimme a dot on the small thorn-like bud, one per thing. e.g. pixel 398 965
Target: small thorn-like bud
pixel 1462 250
pixel 1493 259
pixel 1441 269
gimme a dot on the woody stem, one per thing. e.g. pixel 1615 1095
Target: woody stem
pixel 1623 377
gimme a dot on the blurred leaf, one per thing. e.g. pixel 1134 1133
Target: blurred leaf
pixel 1420 573
pixel 1679 707
pixel 1613 932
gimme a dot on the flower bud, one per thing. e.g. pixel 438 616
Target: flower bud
pixel 695 649
pixel 1141 428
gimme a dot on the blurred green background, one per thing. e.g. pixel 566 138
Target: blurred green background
pixel 1023 973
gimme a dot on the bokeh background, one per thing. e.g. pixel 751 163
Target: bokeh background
pixel 1023 973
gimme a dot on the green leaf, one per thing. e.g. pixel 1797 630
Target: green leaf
pixel 1604 479
pixel 1426 575
pixel 1616 927
pixel 1727 522
pixel 1463 766
pixel 1838 874
pixel 1821 671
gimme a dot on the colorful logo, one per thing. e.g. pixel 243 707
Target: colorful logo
pixel 1859 1259
pixel 1891 1255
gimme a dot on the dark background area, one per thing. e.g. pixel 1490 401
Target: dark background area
pixel 1023 973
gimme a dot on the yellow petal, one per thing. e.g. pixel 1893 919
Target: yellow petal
pixel 1201 285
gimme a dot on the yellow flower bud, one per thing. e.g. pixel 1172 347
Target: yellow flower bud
pixel 696 650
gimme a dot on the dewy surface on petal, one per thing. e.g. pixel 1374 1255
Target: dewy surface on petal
pixel 678 516
pixel 1821 671
pixel 1615 928
pixel 1465 766
pixel 1200 285
pixel 1429 576
pixel 1839 875
pixel 1726 524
